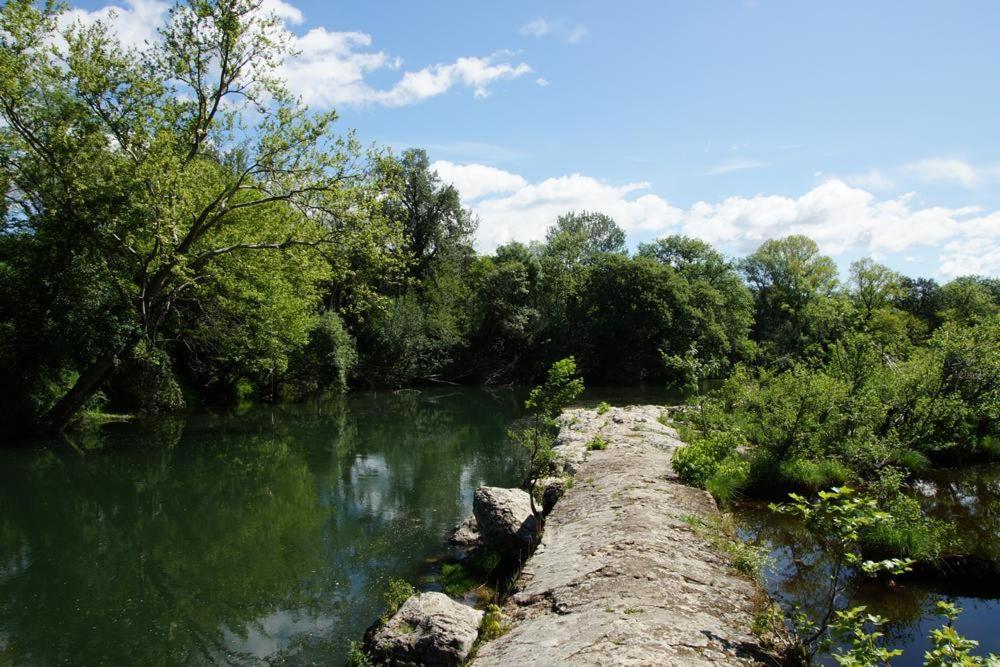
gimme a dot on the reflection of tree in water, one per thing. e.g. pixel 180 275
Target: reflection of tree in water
pixel 265 534
pixel 969 497
pixel 800 571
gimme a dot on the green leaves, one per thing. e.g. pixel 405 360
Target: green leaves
pixel 561 388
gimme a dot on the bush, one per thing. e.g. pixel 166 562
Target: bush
pixel 699 461
pixel 603 407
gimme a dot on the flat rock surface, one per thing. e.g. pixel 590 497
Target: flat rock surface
pixel 619 577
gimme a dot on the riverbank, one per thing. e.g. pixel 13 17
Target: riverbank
pixel 623 574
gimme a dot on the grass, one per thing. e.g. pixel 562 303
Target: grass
pixel 720 531
pixel 396 593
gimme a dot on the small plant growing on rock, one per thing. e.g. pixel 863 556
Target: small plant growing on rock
pixel 356 656
pixel 537 435
pixel 603 407
pixel 492 625
pixel 396 593
pixel 597 443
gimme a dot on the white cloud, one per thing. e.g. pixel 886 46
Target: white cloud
pixel 526 212
pixel 542 81
pixel 331 67
pixel 135 24
pixel 535 28
pixel 841 218
pixel 283 10
pixel 476 180
pixel 741 164
pixel 944 170
pixel 932 171
pixel 540 27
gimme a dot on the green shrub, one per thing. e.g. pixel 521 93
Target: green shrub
pixel 907 532
pixel 603 407
pixel 730 478
pixel 813 475
pixel 598 442
pixel 698 461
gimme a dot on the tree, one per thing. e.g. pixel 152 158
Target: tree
pixel 578 238
pixel 790 281
pixel 545 403
pixel 144 169
pixel 721 301
pixel 436 228
pixel 873 286
pixel 970 299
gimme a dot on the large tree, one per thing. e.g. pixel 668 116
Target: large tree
pixel 148 174
pixel 792 283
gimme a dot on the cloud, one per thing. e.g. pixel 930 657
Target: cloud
pixel 942 171
pixel 729 166
pixel 542 81
pixel 540 27
pixel 475 180
pixel 841 218
pixel 331 67
pixel 535 28
pixel 135 24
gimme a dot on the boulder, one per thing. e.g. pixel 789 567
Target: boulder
pixel 552 490
pixel 429 629
pixel 505 519
pixel 466 534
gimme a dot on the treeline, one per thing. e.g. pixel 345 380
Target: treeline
pixel 178 229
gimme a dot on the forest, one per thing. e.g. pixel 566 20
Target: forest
pixel 179 230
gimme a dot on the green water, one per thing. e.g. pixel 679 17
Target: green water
pixel 262 536
pixel 265 536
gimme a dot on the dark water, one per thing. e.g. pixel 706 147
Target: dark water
pixel 263 536
pixel 968 497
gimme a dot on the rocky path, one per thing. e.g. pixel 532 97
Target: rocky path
pixel 620 577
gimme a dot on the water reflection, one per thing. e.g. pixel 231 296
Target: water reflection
pixel 266 535
pixel 968 497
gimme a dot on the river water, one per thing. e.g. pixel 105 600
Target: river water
pixel 262 535
pixel 268 535
pixel 968 498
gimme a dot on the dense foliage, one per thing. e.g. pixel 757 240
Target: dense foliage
pixel 178 229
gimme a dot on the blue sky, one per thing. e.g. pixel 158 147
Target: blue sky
pixel 871 126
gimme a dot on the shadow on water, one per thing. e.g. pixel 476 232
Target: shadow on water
pixel 967 497
pixel 264 535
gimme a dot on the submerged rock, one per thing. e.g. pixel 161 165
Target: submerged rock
pixel 429 629
pixel 505 519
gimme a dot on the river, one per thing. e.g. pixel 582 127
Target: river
pixel 268 534
pixel 260 535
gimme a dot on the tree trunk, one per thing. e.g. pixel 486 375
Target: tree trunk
pixel 90 380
